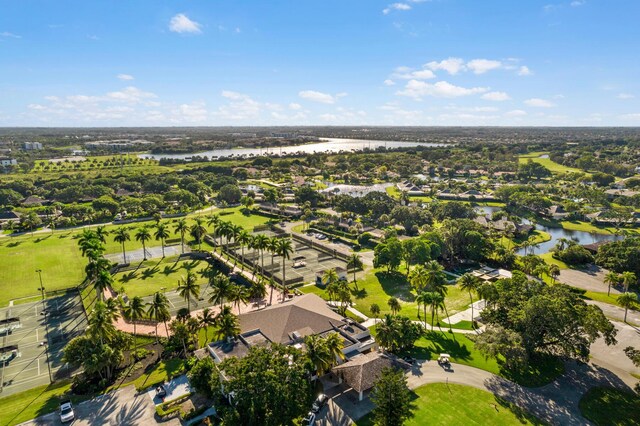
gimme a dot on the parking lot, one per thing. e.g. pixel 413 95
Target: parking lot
pixel 40 339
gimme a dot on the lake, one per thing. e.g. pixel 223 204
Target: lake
pixel 326 145
pixel 581 237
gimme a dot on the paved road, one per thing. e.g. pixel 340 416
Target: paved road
pixel 590 279
pixel 616 312
pixel 122 408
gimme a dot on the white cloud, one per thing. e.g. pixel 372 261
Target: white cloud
pixel 480 66
pixel 396 6
pixel 182 24
pixel 195 112
pixel 295 106
pixel 451 65
pixel 125 77
pixel 577 3
pixel 539 103
pixel 315 96
pixel 240 107
pixel 634 117
pixel 389 82
pixel 515 113
pixel 524 71
pixel 131 94
pixel 625 96
pixel 9 35
pixel 417 89
pixel 496 96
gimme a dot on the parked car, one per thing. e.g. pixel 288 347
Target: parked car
pixel 66 412
pixel 320 402
pixel 309 419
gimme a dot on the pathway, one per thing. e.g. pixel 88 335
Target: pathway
pixel 616 312
pixel 466 314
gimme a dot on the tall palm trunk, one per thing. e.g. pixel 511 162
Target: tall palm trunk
pixel 162 244
pixel 124 254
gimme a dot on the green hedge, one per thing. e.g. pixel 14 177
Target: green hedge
pixel 171 406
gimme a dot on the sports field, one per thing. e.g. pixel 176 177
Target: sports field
pixel 542 158
pixel 62 265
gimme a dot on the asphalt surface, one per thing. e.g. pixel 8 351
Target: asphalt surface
pixel 40 341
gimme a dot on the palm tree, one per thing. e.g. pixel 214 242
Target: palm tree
pixel 238 294
pixel 284 248
pixel 394 304
pixel 318 353
pixel 423 299
pixel 435 278
pixel 330 278
pixel 220 290
pixel 627 300
pixel 628 278
pixel 143 235
pixel 258 291
pixel 554 272
pixel 188 288
pixel 101 233
pixel 375 310
pixel 272 285
pixel 355 262
pixel 437 304
pixel 243 238
pixel 611 278
pixel 227 324
pixel 234 233
pixel 122 235
pixel 88 241
pixel 162 233
pixel 159 310
pixel 101 283
pixel 198 231
pixel 469 283
pixel 386 332
pixel 206 319
pixel 181 228
pixel 261 242
pixel 213 221
pixel 134 311
pixel 100 323
pixel 418 277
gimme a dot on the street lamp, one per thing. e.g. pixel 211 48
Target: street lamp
pixel 46 324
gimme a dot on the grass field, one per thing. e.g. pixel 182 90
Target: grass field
pixel 605 406
pixel 378 286
pixel 58 256
pixel 35 402
pixel 548 163
pixel 164 274
pixel 450 404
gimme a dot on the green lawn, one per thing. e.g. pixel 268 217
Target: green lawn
pixel 161 372
pixel 606 406
pixel 33 403
pixel 147 281
pixel 459 346
pixel 378 286
pixel 58 256
pixel 548 163
pixel 450 404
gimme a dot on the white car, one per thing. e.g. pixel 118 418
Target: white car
pixel 66 412
pixel 310 419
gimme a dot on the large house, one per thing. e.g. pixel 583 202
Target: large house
pixel 288 324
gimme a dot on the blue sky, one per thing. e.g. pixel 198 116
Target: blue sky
pixel 300 62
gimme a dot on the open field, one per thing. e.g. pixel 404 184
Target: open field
pixel 163 275
pixel 451 404
pixel 378 286
pixel 58 256
pixel 548 163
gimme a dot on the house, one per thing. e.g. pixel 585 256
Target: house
pixel 289 211
pixel 557 212
pixel 288 323
pixel 31 146
pixel 488 274
pixel 34 200
pixel 362 372
pixel 8 162
pixel 613 193
pixel 503 224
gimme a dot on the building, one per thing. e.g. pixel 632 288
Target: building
pixel 288 324
pixel 488 274
pixel 8 162
pixel 30 146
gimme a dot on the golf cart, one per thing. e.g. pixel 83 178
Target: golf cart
pixel 444 360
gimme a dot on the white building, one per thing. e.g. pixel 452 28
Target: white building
pixel 7 162
pixel 30 146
